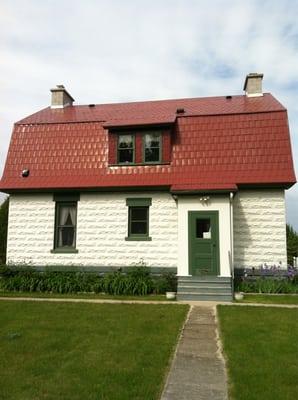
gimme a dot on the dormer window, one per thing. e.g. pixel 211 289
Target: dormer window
pixel 139 147
pixel 152 147
pixel 126 149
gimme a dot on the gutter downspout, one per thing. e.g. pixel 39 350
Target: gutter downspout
pixel 231 255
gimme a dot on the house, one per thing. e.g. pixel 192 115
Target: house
pixel 191 185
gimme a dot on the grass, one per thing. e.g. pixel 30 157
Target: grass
pixel 269 299
pixel 96 296
pixel 262 351
pixel 53 351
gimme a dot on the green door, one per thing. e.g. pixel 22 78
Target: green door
pixel 203 239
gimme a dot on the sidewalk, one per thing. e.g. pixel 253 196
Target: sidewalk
pixel 198 369
pixel 202 304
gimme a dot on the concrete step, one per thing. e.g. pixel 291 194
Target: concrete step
pixel 217 279
pixel 204 289
pixel 191 296
pixel 204 284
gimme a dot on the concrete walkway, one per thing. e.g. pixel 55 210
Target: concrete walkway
pixel 198 369
pixel 203 304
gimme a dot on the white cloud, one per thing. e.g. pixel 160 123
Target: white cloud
pixel 107 51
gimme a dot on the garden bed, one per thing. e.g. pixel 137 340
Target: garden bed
pixel 266 279
pixel 137 281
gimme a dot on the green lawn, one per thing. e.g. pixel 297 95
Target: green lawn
pixel 96 296
pixel 269 299
pixel 77 351
pixel 261 345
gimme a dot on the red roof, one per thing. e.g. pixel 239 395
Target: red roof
pixel 218 143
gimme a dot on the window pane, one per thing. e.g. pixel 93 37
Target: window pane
pixel 125 142
pixel 152 155
pixel 67 214
pixel 125 156
pixel 138 228
pixel 203 228
pixel 139 214
pixel 152 140
pixel 66 236
pixel 152 147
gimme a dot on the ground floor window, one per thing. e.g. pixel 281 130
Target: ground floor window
pixel 65 223
pixel 138 218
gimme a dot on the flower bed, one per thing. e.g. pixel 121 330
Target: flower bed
pixel 137 281
pixel 266 279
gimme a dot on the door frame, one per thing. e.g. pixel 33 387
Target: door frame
pixel 192 214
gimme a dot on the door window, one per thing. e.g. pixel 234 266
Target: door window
pixel 203 228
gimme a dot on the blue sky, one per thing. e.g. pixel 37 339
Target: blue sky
pixel 111 51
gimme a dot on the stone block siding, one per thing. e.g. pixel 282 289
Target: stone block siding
pixel 259 228
pixel 101 230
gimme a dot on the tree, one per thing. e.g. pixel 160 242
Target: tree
pixel 3 230
pixel 292 244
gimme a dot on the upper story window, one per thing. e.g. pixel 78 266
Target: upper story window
pixel 126 149
pixel 140 146
pixel 152 147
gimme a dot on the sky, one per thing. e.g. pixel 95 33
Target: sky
pixel 131 50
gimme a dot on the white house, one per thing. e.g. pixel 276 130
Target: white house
pixel 190 185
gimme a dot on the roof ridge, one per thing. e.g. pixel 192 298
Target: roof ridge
pixel 19 123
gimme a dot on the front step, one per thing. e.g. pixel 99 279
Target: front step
pixel 205 288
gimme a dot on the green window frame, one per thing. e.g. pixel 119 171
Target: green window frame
pixel 152 153
pixel 138 219
pixel 65 230
pixel 122 149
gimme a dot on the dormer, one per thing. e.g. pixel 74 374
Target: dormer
pixel 140 145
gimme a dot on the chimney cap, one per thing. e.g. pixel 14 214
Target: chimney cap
pixel 250 76
pixel 253 85
pixel 61 88
pixel 60 97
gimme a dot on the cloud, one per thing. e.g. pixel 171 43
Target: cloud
pixel 109 51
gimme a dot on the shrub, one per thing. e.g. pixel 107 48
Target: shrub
pixel 137 281
pixel 29 280
pixel 292 244
pixel 167 282
pixel 267 285
pixel 267 279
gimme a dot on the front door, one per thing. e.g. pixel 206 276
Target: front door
pixel 203 238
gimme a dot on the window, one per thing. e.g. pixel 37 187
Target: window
pixel 125 149
pixel 139 147
pixel 138 219
pixel 203 228
pixel 65 224
pixel 152 146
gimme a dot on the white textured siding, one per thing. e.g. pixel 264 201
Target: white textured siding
pixel 101 230
pixel 259 228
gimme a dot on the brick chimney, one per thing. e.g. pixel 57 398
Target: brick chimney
pixel 60 97
pixel 253 85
